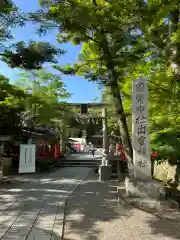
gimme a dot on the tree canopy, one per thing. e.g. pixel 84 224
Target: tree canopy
pixel 20 55
pixel 37 100
pixel 120 41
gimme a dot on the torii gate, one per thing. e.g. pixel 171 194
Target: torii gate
pixel 104 169
pixel 84 114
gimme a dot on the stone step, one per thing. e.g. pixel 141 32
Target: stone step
pixel 81 160
pixel 72 163
pixel 89 166
pixel 80 163
pixel 75 162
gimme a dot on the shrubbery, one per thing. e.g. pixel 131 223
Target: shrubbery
pixel 167 144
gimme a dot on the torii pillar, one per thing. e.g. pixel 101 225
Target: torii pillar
pixel 105 170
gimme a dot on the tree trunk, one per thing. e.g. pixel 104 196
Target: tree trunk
pixel 25 139
pixel 63 139
pixel 113 83
pixel 126 141
pixel 26 136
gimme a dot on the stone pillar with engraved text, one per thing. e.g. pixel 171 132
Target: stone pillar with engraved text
pixel 140 135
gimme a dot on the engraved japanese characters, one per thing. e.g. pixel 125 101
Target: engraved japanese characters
pixel 140 136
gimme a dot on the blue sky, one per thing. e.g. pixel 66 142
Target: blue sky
pixel 82 90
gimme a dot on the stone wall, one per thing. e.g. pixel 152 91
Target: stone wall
pixel 164 171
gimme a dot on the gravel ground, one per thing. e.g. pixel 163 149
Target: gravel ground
pixel 93 214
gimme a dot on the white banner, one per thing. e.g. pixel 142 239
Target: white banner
pixel 140 135
pixel 27 159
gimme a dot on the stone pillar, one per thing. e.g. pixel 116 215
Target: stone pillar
pixel 142 185
pixel 105 168
pixel 140 135
pixel 105 131
pixel 84 140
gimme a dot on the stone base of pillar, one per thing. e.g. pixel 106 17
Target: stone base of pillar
pixel 148 196
pixel 144 189
pixel 105 172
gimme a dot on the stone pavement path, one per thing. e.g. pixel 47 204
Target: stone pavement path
pixel 35 210
pixel 93 213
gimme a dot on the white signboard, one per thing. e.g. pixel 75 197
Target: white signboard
pixel 140 135
pixel 27 158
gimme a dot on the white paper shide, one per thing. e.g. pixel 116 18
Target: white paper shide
pixel 140 135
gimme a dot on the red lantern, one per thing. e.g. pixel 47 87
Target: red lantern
pixel 154 155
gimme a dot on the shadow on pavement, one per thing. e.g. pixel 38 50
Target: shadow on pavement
pixel 37 206
pixel 93 214
pixel 92 203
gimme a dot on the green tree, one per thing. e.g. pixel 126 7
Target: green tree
pixel 110 44
pixel 43 103
pixel 27 56
pixel 119 39
pixel 163 106
pixel 10 107
pixel 30 56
